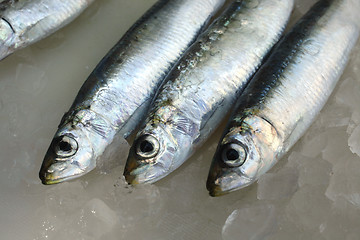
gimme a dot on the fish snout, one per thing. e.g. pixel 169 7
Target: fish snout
pixel 226 183
pixel 142 172
pixel 212 183
pixel 49 172
pixel 222 180
pixel 67 158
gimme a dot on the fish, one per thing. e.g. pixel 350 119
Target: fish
pixel 6 3
pixel 285 95
pixel 115 97
pixel 23 23
pixel 204 85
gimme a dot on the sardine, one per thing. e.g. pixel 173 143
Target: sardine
pixel 6 3
pixel 202 89
pixel 285 95
pixel 118 92
pixel 25 22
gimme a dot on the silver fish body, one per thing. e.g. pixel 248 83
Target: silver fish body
pixel 285 95
pixel 204 86
pixel 25 22
pixel 116 95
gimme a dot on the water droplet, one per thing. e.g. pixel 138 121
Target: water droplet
pixel 311 47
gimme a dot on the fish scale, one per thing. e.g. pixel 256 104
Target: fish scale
pixel 116 95
pixel 204 85
pixel 25 22
pixel 314 92
pixel 285 95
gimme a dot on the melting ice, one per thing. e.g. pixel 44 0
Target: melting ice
pixel 312 193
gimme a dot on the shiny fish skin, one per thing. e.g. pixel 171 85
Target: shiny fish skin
pixel 6 3
pixel 25 22
pixel 204 86
pixel 116 95
pixel 285 96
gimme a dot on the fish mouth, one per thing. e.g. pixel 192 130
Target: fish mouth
pixel 48 179
pixel 131 179
pixel 222 180
pixel 226 184
pixel 130 167
pixel 144 173
pixel 215 190
pixel 54 172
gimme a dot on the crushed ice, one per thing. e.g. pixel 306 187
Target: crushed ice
pixel 312 193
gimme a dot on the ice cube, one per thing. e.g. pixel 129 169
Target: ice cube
pixel 354 122
pixel 114 155
pixel 279 185
pixel 313 146
pixel 308 208
pixel 98 218
pixel 337 145
pixel 250 222
pixel 137 204
pixel 24 72
pixel 312 171
pixel 334 116
pixel 66 198
pixel 354 141
pixel 287 230
pixel 343 222
pixel 347 94
pixel 188 226
pixel 345 181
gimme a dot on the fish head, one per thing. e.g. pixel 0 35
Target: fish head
pixel 156 152
pixel 69 156
pixel 243 155
pixel 7 35
pixel 81 138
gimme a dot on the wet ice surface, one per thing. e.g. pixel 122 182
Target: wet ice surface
pixel 312 193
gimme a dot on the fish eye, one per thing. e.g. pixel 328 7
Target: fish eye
pixel 147 146
pixel 65 146
pixel 234 154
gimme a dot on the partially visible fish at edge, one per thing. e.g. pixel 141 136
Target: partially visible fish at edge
pixel 25 22
pixel 204 86
pixel 118 92
pixel 285 95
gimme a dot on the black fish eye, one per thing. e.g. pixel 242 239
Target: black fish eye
pixel 65 146
pixel 147 146
pixel 234 154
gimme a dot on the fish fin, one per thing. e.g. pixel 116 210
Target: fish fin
pixel 185 126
